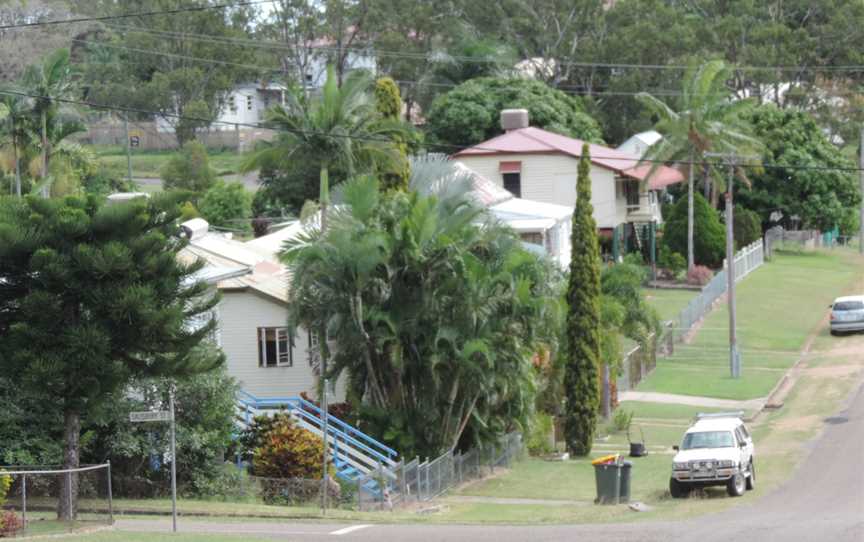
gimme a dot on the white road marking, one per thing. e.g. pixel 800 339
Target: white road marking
pixel 350 529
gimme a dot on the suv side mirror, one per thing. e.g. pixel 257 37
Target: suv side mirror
pixel 676 448
pixel 742 445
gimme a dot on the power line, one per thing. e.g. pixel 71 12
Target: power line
pixel 136 14
pixel 574 91
pixel 269 44
pixel 453 148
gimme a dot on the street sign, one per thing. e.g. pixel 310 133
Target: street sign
pixel 134 141
pixel 160 416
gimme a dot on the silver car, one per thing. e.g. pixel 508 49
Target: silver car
pixel 847 314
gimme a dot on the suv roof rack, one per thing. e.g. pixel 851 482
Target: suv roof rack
pixel 715 415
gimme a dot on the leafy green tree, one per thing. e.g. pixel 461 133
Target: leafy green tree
pixel 227 205
pixel 94 297
pixel 747 228
pixel 469 113
pixel 189 170
pixel 623 283
pixel 170 78
pixel 821 197
pixel 710 236
pixel 708 120
pixel 435 318
pixel 583 321
pixel 388 102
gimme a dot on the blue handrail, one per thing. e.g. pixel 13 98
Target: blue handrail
pixel 299 404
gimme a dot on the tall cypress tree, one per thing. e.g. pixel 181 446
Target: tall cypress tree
pixel 93 297
pixel 583 320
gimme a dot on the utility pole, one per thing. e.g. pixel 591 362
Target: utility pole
pixel 861 177
pixel 324 422
pixel 173 461
pixel 734 354
pixel 128 148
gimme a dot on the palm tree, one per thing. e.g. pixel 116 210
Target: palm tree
pixel 18 109
pixel 340 128
pixel 435 311
pixel 708 120
pixel 49 82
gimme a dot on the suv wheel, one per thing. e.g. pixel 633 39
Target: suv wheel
pixel 736 486
pixel 678 489
pixel 751 478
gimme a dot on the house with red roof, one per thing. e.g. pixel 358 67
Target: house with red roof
pixel 542 166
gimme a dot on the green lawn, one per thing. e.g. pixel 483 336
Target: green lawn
pixel 779 305
pixel 641 409
pixel 148 163
pixel 668 303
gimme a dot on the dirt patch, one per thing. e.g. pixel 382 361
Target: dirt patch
pixel 802 423
pixel 833 371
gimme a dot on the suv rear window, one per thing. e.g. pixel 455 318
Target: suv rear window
pixel 849 306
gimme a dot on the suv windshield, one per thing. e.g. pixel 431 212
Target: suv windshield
pixel 708 439
pixel 849 306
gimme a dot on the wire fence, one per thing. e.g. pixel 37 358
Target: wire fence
pixel 419 481
pixel 642 359
pixel 37 497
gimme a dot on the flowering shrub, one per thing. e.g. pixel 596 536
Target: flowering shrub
pixel 10 524
pixel 288 451
pixel 700 275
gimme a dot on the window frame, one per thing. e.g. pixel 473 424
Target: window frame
pixel 282 359
pixel 511 175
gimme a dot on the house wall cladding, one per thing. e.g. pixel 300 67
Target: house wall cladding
pixel 242 313
pixel 551 178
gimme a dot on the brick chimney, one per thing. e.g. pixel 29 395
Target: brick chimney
pixel 514 119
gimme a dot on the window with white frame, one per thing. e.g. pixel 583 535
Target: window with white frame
pixel 275 347
pixel 248 103
pixel 232 103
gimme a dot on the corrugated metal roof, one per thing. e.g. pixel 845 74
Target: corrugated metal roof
pixel 534 140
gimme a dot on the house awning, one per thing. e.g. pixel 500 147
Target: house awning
pixel 510 167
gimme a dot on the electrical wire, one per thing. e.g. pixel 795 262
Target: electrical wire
pixel 136 14
pixel 453 148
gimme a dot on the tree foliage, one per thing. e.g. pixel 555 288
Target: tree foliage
pixel 285 450
pixel 709 239
pixel 189 170
pixel 819 197
pixel 388 102
pixel 434 318
pixel 747 228
pixel 583 321
pixel 469 113
pixel 94 297
pixel 227 205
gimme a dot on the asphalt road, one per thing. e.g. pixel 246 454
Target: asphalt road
pixel 823 501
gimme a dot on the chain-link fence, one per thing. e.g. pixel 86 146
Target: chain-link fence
pixel 641 360
pixel 37 497
pixel 417 481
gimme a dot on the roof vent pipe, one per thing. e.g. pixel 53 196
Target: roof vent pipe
pixel 514 119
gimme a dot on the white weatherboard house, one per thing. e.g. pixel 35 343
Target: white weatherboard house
pixel 545 226
pixel 252 316
pixel 246 104
pixel 538 165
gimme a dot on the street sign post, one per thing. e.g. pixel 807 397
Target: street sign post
pixel 164 416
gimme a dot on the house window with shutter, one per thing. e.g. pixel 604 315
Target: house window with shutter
pixel 511 175
pixel 275 347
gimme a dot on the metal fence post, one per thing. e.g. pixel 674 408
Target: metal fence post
pixel 24 500
pixel 110 498
pixel 428 487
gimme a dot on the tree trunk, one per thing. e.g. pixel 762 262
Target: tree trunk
pixel 324 195
pixel 46 190
pixel 17 163
pixel 691 259
pixel 67 503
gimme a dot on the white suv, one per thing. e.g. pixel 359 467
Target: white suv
pixel 716 450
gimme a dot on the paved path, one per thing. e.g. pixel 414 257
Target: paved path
pixel 691 400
